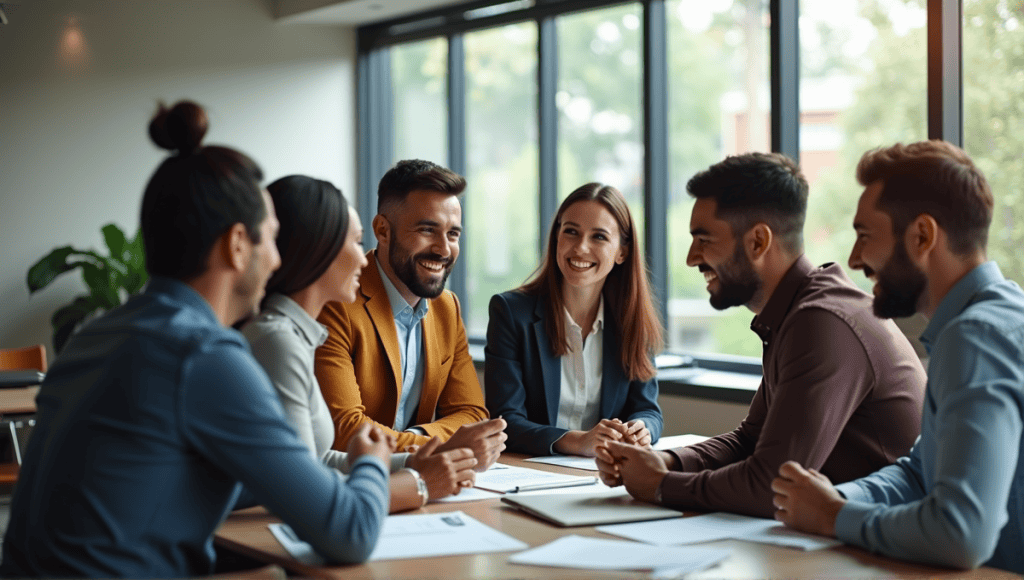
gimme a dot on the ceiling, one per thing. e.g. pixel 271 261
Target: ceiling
pixel 351 12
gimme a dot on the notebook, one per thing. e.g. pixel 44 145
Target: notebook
pixel 589 508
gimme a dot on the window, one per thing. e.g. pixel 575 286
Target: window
pixel 598 99
pixel 502 202
pixel 861 82
pixel 993 69
pixel 418 77
pixel 718 105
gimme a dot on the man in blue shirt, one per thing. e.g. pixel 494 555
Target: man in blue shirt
pixel 958 498
pixel 155 418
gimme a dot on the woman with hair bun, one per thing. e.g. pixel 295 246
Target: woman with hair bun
pixel 155 419
pixel 320 242
pixel 569 354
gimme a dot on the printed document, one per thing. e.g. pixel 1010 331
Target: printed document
pixel 717 526
pixel 511 479
pixel 589 464
pixel 600 554
pixel 416 536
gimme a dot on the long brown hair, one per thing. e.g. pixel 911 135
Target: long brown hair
pixel 627 292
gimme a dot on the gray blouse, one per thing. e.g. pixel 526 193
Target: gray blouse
pixel 284 338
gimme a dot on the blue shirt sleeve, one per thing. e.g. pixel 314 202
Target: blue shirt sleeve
pixel 970 450
pixel 231 414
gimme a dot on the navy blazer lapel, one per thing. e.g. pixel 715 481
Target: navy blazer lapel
pixel 612 376
pixel 550 365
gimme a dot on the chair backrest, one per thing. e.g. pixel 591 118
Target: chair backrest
pixel 30 357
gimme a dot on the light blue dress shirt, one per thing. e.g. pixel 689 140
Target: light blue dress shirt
pixel 410 341
pixel 958 498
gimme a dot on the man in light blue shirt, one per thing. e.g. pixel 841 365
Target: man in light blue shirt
pixel 410 339
pixel 958 498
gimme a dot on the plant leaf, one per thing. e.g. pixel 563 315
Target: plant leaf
pixel 97 279
pixel 49 267
pixel 115 240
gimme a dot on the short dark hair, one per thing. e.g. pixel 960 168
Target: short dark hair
pixel 757 187
pixel 195 195
pixel 414 175
pixel 313 215
pixel 935 178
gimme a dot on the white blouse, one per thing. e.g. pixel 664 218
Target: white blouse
pixel 579 402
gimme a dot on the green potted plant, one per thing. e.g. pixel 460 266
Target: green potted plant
pixel 110 279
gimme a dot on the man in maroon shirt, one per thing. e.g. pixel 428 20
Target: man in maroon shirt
pixel 842 390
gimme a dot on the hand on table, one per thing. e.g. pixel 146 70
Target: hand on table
pixel 586 442
pixel 485 439
pixel 445 472
pixel 636 433
pixel 806 500
pixel 640 469
pixel 370 440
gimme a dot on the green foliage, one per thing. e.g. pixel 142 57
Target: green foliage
pixel 109 279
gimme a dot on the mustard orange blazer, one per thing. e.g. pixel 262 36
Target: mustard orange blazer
pixel 359 365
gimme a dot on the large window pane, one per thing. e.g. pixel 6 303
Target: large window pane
pixel 418 79
pixel 863 67
pixel 600 125
pixel 501 151
pixel 994 118
pixel 718 61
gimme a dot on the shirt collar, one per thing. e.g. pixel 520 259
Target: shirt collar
pixel 181 292
pixel 598 320
pixel 778 305
pixel 958 298
pixel 398 303
pixel 314 332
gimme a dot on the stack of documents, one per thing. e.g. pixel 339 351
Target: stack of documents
pixel 601 554
pixel 718 526
pixel 415 536
pixel 511 479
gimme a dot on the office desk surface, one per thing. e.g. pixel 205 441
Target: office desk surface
pixel 246 532
pixel 18 401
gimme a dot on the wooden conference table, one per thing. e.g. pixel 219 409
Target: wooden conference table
pixel 246 532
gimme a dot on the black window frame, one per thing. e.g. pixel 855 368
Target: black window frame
pixel 375 108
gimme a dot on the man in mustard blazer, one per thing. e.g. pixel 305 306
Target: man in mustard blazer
pixel 398 355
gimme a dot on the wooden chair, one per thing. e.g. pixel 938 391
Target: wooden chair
pixel 30 357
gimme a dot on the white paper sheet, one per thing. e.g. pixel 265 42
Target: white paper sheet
pixel 600 554
pixel 717 526
pixel 416 536
pixel 589 464
pixel 467 494
pixel 510 478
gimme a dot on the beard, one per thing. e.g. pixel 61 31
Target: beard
pixel 737 281
pixel 403 263
pixel 900 284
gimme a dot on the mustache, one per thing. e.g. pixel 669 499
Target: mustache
pixel 704 268
pixel 434 258
pixel 868 272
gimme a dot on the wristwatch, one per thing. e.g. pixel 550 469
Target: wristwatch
pixel 421 486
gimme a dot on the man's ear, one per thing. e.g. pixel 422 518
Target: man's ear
pixel 236 248
pixel 757 240
pixel 922 236
pixel 381 229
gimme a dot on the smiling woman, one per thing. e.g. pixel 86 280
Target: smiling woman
pixel 565 376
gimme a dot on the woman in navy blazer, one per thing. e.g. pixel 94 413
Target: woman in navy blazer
pixel 592 285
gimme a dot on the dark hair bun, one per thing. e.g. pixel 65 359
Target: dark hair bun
pixel 180 128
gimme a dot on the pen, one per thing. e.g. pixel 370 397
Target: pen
pixel 553 485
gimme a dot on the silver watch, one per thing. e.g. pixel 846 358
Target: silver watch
pixel 421 486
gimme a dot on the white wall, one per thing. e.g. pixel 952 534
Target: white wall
pixel 74 154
